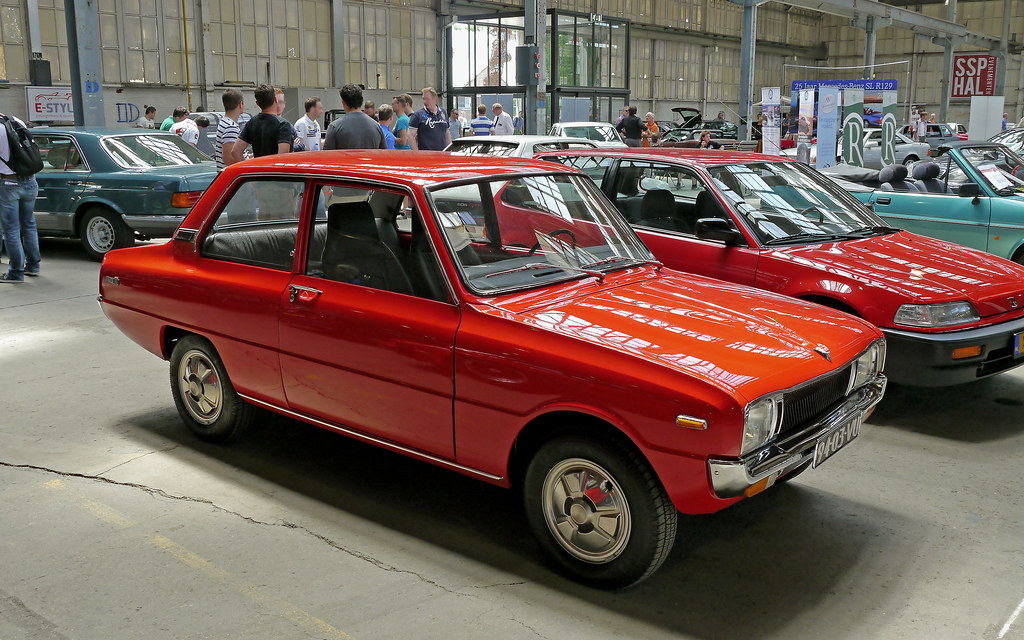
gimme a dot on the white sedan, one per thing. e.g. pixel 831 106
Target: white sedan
pixel 514 146
pixel 601 133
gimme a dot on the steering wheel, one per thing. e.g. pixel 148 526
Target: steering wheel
pixel 552 234
pixel 821 214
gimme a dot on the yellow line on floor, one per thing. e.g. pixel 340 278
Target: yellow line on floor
pixel 301 618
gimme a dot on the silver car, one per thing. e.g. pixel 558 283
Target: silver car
pixel 515 146
pixel 602 133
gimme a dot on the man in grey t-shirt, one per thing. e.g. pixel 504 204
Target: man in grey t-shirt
pixel 355 129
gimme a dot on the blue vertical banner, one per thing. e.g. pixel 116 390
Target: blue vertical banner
pixel 828 126
pixel 805 126
pixel 771 120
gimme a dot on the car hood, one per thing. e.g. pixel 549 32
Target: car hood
pixel 925 270
pixel 733 337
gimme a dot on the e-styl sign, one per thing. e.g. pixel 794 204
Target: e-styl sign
pixel 974 74
pixel 50 104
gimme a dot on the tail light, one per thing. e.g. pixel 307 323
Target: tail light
pixel 185 198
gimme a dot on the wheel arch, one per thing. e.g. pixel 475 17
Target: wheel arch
pixel 84 206
pixel 558 423
pixel 170 337
pixel 1017 255
pixel 831 303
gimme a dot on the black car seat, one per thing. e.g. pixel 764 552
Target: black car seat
pixel 658 210
pixel 708 206
pixel 894 178
pixel 927 176
pixel 354 252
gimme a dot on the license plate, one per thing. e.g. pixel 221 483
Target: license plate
pixel 835 440
pixel 1018 344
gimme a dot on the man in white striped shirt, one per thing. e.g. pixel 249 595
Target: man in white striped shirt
pixel 227 149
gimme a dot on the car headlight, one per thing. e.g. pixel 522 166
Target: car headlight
pixel 868 365
pixel 946 314
pixel 761 422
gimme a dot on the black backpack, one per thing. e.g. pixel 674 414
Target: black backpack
pixel 25 160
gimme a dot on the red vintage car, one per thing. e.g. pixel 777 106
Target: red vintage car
pixel 950 314
pixel 499 318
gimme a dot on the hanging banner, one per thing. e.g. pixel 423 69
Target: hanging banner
pixel 771 120
pixel 888 128
pixel 853 126
pixel 828 126
pixel 805 126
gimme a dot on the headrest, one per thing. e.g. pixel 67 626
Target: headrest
pixel 659 199
pixel 893 173
pixel 627 180
pixel 352 218
pixel 927 170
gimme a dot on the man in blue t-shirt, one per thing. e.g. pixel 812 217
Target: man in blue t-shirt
pixel 403 107
pixel 386 117
pixel 481 124
pixel 428 127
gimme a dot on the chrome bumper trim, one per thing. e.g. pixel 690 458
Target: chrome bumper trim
pixel 730 478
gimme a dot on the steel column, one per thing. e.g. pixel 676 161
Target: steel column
pixel 747 46
pixel 947 66
pixel 338 42
pixel 535 33
pixel 83 25
pixel 1001 54
pixel 870 38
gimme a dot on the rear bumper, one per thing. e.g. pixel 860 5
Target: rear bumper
pixel 926 359
pixel 154 226
pixel 731 478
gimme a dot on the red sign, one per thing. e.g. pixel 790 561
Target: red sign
pixel 974 74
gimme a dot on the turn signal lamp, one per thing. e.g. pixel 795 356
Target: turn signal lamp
pixel 757 487
pixel 185 198
pixel 966 352
pixel 689 422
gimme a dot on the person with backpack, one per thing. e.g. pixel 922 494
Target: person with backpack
pixel 19 162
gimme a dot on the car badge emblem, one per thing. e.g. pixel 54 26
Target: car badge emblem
pixel 822 350
pixel 1013 302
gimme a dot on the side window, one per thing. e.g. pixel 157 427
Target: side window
pixel 258 225
pixel 667 196
pixel 595 167
pixel 373 238
pixel 60 154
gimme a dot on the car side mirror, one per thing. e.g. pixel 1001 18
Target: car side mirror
pixel 717 229
pixel 969 190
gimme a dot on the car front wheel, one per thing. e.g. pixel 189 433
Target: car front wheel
pixel 909 161
pixel 102 230
pixel 599 511
pixel 203 393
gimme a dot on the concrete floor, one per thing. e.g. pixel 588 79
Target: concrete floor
pixel 116 523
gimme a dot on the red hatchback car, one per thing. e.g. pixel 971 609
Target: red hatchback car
pixel 950 314
pixel 499 318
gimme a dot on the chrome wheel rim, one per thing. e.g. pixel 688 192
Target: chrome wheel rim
pixel 200 387
pixel 100 233
pixel 586 511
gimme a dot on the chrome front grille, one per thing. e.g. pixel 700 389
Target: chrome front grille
pixel 803 405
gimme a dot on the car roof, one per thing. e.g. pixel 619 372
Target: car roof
pixel 99 131
pixel 696 156
pixel 959 144
pixel 520 139
pixel 418 168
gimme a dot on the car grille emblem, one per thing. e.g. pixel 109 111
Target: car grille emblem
pixel 822 350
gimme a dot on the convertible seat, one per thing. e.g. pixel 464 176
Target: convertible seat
pixel 894 178
pixel 355 253
pixel 926 174
pixel 658 210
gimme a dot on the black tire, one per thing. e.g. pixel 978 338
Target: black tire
pixel 1019 256
pixel 102 230
pixel 910 161
pixel 203 393
pixel 640 520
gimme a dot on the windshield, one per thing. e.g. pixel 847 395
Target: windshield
pixel 147 150
pixel 1000 168
pixel 529 231
pixel 483 148
pixel 786 201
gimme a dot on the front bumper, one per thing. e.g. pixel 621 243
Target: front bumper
pixel 731 478
pixel 154 226
pixel 926 359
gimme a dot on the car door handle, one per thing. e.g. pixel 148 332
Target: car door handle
pixel 884 200
pixel 305 294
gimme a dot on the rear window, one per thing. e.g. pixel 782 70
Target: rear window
pixel 148 150
pixel 483 148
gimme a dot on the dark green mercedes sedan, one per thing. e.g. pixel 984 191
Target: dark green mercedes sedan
pixel 111 186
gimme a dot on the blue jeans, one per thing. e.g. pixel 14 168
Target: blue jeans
pixel 18 224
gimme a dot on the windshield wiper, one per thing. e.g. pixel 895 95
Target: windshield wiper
pixel 547 265
pixel 657 265
pixel 1008 190
pixel 797 237
pixel 870 231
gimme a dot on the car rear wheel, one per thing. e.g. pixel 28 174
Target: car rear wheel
pixel 203 393
pixel 598 511
pixel 102 230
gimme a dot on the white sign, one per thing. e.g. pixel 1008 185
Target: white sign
pixel 50 104
pixel 771 119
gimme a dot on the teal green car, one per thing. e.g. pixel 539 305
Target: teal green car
pixel 108 187
pixel 971 194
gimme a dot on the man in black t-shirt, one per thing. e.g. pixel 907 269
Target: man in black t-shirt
pixel 266 132
pixel 631 128
pixel 428 127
